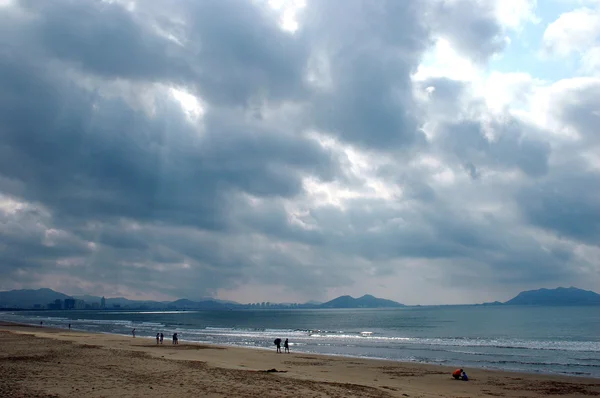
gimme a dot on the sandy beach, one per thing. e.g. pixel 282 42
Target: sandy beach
pixel 44 362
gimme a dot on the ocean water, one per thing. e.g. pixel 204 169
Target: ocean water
pixel 563 340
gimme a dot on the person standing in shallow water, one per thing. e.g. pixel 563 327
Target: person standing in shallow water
pixel 157 337
pixel 286 346
pixel 162 336
pixel 133 333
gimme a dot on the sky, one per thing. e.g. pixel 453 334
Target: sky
pixel 440 151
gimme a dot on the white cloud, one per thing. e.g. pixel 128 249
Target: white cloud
pixel 515 13
pixel 288 10
pixel 444 61
pixel 590 61
pixel 512 91
pixel 575 32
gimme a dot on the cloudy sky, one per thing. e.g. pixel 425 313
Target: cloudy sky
pixel 440 151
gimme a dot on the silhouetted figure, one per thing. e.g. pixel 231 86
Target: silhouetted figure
pixel 133 333
pixel 175 339
pixel 162 336
pixel 157 337
pixel 69 326
pixel 286 346
pixel 41 324
pixel 277 342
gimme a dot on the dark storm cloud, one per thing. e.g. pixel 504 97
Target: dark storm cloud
pixel 434 230
pixel 122 188
pixel 470 26
pixel 442 97
pixel 103 38
pixel 369 58
pixel 567 203
pixel 94 157
pixel 85 156
pixel 26 242
pixel 471 170
pixel 185 262
pixel 444 92
pixel 579 108
pixel 218 48
pixel 496 144
pixel 239 52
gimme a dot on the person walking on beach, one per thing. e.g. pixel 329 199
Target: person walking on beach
pixel 286 346
pixel 162 336
pixel 157 337
pixel 133 333
pixel 278 344
pixel 175 339
pixel 69 326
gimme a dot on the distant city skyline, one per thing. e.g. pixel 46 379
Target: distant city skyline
pixel 428 152
pixel 31 299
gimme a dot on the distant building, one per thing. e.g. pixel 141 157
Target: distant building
pixel 37 306
pixel 95 306
pixel 56 305
pixel 69 304
pixel 79 304
pixel 102 302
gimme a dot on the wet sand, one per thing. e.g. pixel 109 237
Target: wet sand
pixel 44 362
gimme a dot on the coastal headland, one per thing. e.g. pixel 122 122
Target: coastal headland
pixel 45 362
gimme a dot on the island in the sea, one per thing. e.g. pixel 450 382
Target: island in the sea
pixel 559 296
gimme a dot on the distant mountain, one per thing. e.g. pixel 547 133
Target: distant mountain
pixel 183 303
pixel 492 303
pixel 27 298
pixel 123 302
pixel 313 302
pixel 366 301
pixel 558 296
pixel 198 305
pixel 88 299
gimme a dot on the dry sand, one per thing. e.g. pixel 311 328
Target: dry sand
pixel 43 362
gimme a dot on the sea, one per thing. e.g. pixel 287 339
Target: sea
pixel 557 340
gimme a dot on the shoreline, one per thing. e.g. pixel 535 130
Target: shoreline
pixel 356 357
pixel 221 371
